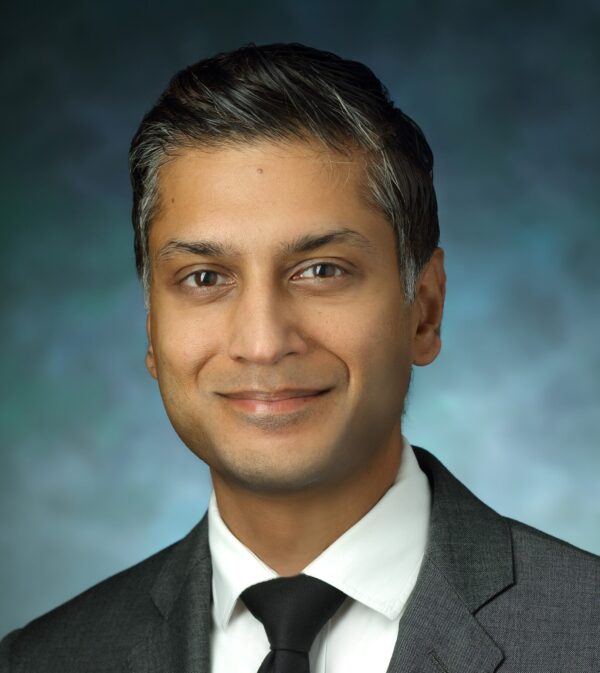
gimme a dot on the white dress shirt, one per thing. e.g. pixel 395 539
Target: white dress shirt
pixel 375 562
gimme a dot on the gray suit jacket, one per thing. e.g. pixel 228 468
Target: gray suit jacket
pixel 493 595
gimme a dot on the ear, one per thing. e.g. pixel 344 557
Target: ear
pixel 150 362
pixel 430 294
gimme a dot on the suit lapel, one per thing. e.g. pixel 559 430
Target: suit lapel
pixel 468 561
pixel 437 633
pixel 178 640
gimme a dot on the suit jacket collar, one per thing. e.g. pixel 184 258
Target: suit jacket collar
pixel 178 635
pixel 468 561
pixel 468 541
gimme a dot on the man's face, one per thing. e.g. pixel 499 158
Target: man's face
pixel 266 315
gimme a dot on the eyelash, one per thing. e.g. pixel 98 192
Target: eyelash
pixel 210 287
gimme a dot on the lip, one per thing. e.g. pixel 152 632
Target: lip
pixel 275 396
pixel 279 403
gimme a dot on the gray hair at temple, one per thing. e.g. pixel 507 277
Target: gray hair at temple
pixel 280 92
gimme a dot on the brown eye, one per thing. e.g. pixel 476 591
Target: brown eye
pixel 323 271
pixel 204 279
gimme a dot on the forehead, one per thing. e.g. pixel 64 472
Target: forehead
pixel 261 193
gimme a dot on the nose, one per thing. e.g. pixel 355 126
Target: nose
pixel 265 326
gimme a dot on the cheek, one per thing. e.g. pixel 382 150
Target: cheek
pixel 371 338
pixel 380 347
pixel 183 342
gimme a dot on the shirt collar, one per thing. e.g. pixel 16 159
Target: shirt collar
pixel 367 562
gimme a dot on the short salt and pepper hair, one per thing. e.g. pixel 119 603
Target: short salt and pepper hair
pixel 283 92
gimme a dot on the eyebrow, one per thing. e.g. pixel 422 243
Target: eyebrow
pixel 304 243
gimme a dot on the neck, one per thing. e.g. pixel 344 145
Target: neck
pixel 288 531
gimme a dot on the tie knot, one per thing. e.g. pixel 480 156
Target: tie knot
pixel 292 609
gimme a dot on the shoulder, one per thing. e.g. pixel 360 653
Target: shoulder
pixel 552 606
pixel 566 571
pixel 537 596
pixel 537 556
pixel 95 626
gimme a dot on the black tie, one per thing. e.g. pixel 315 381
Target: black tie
pixel 293 610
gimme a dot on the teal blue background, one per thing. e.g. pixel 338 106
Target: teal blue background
pixel 92 477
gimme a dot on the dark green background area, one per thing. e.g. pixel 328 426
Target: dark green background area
pixel 92 477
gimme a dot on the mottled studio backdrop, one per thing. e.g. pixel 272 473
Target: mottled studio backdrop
pixel 92 477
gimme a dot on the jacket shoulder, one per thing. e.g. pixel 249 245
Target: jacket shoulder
pixel 553 604
pixel 565 571
pixel 92 629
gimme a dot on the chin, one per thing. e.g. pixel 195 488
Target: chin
pixel 266 475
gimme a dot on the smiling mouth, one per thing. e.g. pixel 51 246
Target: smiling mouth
pixel 275 406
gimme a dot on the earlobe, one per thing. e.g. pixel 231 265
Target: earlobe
pixel 150 362
pixel 429 305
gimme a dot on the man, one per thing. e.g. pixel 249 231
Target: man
pixel 286 235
